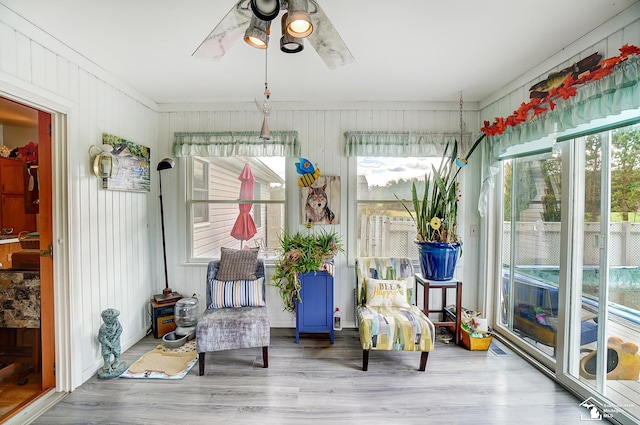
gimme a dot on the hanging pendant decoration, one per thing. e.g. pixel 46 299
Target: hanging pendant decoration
pixel 264 107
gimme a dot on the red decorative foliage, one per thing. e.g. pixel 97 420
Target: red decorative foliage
pixel 567 90
pixel 538 110
pixel 610 62
pixel 552 105
pixel 628 50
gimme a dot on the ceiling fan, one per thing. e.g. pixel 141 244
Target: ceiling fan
pixel 254 17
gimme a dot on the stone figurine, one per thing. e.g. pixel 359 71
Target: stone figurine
pixel 109 337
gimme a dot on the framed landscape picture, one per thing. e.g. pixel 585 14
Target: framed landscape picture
pixel 134 173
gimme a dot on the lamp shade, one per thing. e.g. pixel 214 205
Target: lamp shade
pixel 288 43
pixel 266 10
pixel 299 21
pixel 165 164
pixel 257 35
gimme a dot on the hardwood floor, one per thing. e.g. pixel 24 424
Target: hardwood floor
pixel 316 383
pixel 18 385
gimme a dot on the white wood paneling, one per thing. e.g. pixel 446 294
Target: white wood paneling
pixel 114 241
pixel 321 133
pixel 110 260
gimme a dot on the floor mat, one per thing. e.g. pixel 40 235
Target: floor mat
pixel 164 363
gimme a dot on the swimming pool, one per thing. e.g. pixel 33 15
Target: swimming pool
pixel 536 291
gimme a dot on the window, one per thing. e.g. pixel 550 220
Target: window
pixel 200 190
pixel 384 226
pixel 218 219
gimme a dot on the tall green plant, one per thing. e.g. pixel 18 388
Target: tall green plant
pixel 302 252
pixel 435 212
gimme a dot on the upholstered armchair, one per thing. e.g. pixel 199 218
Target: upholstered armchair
pixel 236 314
pixel 386 315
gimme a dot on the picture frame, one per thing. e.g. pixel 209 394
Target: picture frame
pixel 320 202
pixel 134 172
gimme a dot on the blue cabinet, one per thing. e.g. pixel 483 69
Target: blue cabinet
pixel 315 312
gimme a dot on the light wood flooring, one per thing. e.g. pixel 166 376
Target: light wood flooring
pixel 315 382
pixel 18 385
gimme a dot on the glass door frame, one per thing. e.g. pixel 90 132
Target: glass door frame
pixel 565 368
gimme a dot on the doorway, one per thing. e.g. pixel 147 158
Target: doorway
pixel 605 269
pixel 569 287
pixel 27 356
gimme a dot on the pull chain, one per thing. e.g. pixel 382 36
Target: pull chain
pixel 267 93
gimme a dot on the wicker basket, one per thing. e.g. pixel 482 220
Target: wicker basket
pixel 29 240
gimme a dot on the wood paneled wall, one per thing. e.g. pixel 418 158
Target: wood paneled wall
pixel 321 133
pixel 111 263
pixel 114 242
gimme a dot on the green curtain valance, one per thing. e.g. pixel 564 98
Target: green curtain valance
pixel 236 143
pixel 610 95
pixel 401 143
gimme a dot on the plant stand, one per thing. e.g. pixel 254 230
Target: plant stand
pixel 315 313
pixel 443 286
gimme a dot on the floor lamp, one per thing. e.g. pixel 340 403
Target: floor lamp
pixel 167 294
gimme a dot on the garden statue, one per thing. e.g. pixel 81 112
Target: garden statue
pixel 109 337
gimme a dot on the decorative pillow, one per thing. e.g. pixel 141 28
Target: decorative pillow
pixel 236 293
pixel 386 293
pixel 237 264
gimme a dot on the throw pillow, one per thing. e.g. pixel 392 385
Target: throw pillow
pixel 237 264
pixel 237 293
pixel 386 293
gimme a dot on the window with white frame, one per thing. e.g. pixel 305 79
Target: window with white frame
pixel 388 164
pixel 235 202
pixel 200 190
pixel 384 227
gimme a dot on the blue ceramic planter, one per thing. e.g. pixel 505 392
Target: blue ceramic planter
pixel 438 259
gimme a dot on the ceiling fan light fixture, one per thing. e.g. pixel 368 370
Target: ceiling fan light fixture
pixel 299 21
pixel 257 35
pixel 266 10
pixel 289 44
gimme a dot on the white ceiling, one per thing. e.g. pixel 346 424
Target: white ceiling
pixel 410 50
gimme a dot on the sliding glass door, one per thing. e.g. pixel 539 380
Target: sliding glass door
pixel 604 269
pixel 531 252
pixel 568 292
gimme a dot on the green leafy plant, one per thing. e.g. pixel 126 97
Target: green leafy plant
pixel 302 252
pixel 435 212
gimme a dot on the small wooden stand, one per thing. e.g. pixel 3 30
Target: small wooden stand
pixel 432 284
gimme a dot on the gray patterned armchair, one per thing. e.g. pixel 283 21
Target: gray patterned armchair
pixel 236 315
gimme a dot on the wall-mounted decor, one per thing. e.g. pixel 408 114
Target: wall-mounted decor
pixel 133 161
pixel 321 201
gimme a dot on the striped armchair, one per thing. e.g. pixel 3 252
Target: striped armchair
pixel 386 315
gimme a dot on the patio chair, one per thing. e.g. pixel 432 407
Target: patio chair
pixel 386 317
pixel 236 314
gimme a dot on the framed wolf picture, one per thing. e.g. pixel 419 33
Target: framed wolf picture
pixel 321 201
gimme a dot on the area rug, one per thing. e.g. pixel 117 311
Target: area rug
pixel 164 363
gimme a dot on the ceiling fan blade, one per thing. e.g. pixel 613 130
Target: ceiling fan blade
pixel 226 33
pixel 326 40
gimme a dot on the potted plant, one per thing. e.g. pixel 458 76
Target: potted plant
pixel 435 214
pixel 302 252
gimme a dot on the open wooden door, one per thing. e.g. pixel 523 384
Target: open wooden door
pixel 46 251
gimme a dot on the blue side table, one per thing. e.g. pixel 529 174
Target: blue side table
pixel 315 313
